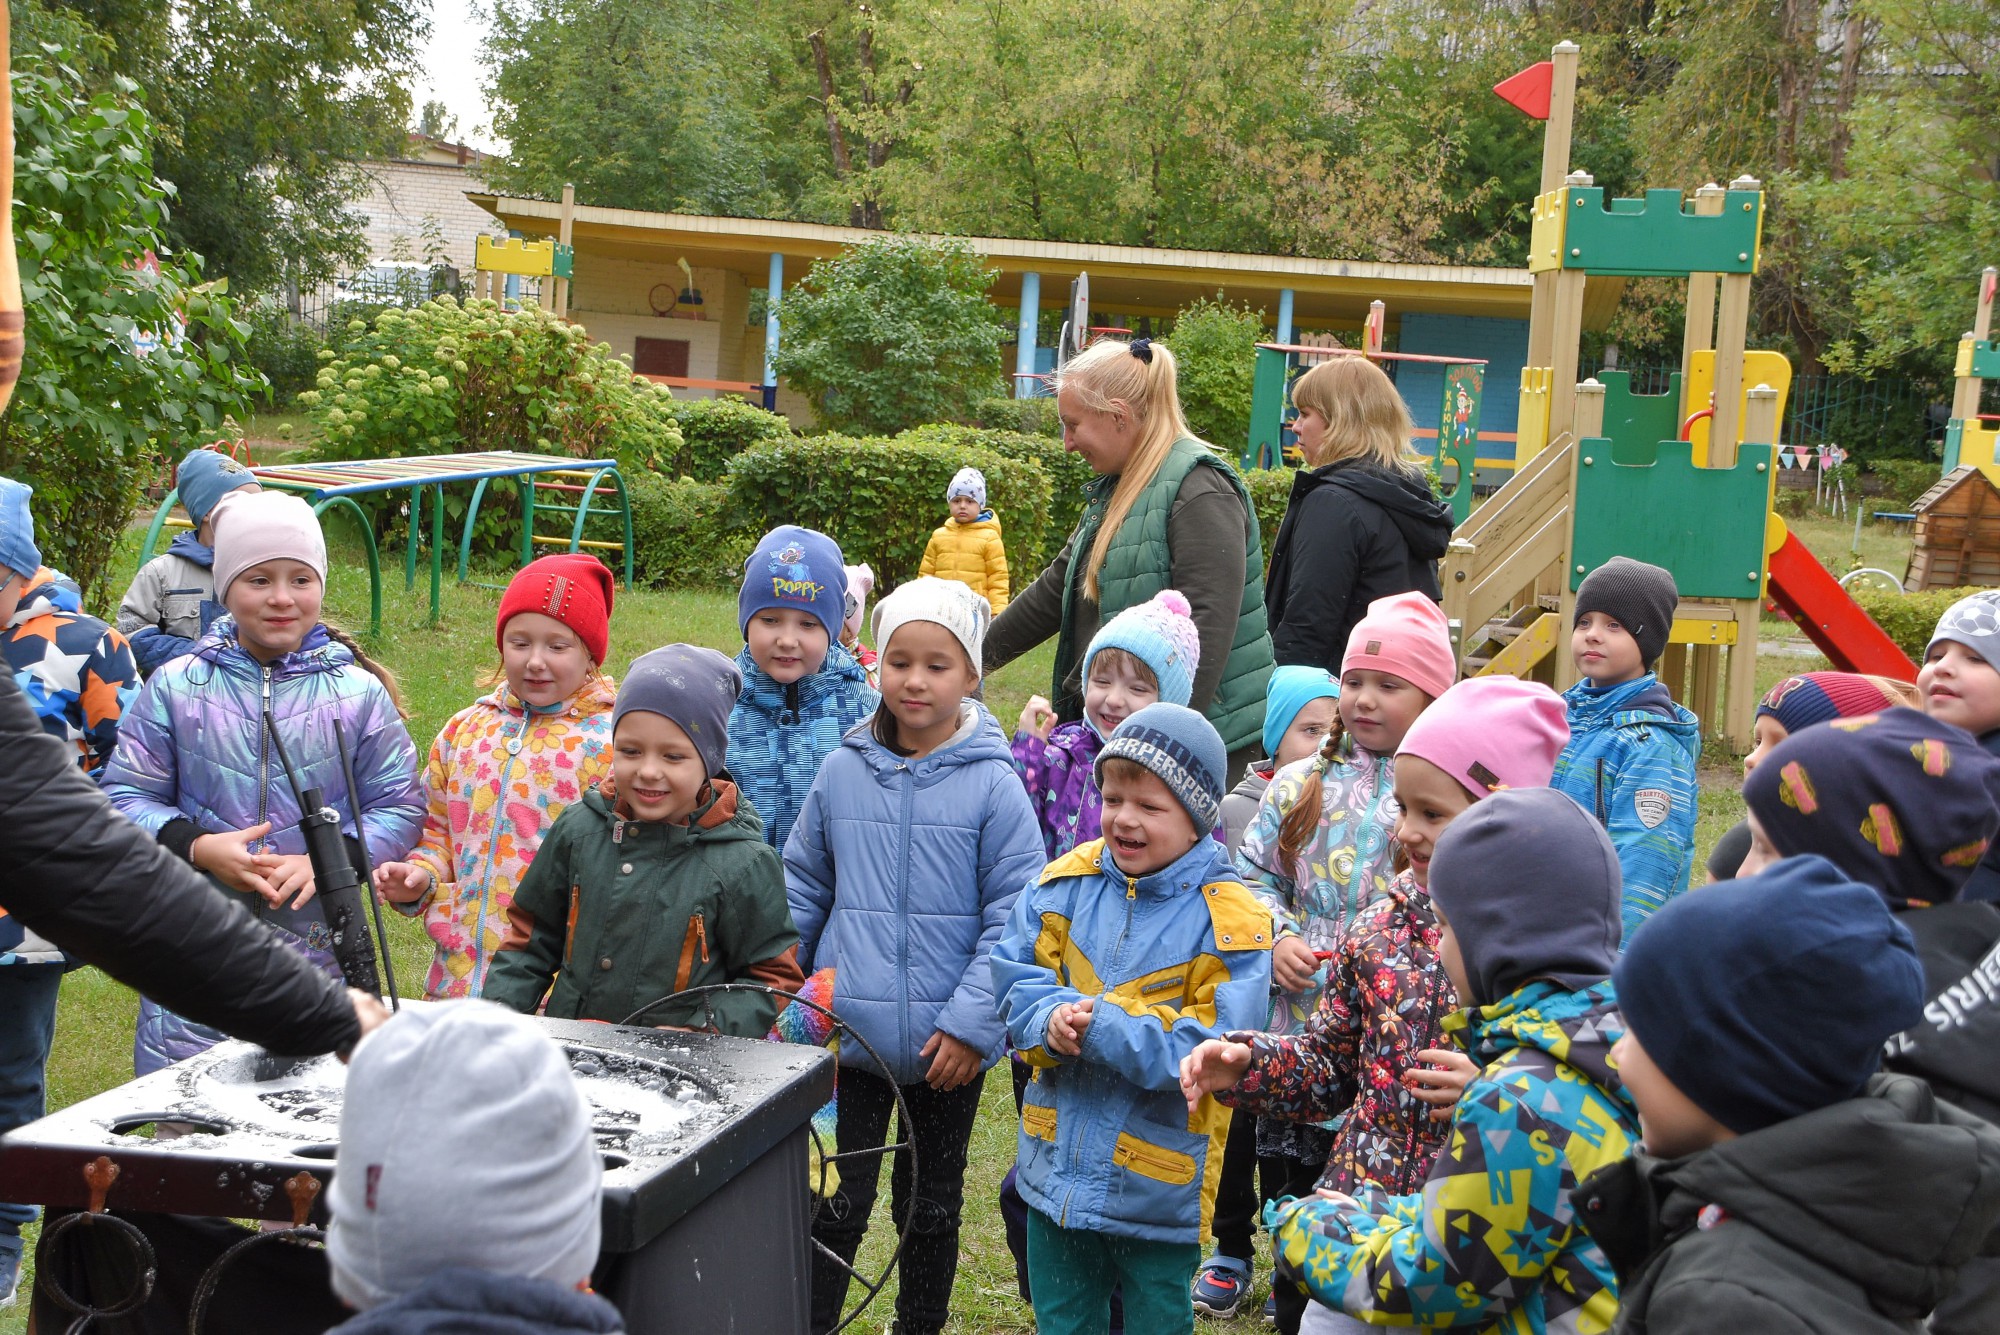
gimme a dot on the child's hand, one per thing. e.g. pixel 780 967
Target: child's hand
pixel 369 1013
pixel 1337 1197
pixel 1293 964
pixel 1038 718
pixel 1216 1064
pixel 1440 1088
pixel 952 1063
pixel 401 882
pixel 292 875
pixel 1067 1025
pixel 227 857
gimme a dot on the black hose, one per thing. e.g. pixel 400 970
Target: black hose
pixel 367 864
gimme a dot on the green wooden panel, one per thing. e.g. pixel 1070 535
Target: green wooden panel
pixel 1458 433
pixel 563 263
pixel 1954 436
pixel 1637 422
pixel 1265 448
pixel 1706 525
pixel 1985 359
pixel 1656 237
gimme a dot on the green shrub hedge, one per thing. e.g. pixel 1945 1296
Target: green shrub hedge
pixel 1035 417
pixel 1903 480
pixel 1270 491
pixel 684 534
pixel 1909 618
pixel 880 498
pixel 714 431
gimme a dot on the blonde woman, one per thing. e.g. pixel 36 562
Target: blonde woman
pixel 1362 524
pixel 1165 512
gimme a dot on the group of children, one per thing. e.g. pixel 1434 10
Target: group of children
pixel 1427 991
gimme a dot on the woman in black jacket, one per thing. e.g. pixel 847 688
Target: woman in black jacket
pixel 1362 524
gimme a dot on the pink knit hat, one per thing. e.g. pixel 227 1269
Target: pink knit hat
pixel 1406 636
pixel 252 527
pixel 1491 733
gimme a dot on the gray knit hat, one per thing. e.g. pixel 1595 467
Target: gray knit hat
pixel 1184 749
pixel 1973 621
pixel 693 686
pixel 1639 597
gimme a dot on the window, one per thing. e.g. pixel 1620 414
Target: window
pixel 660 356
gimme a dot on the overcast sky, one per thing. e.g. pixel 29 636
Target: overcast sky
pixel 451 72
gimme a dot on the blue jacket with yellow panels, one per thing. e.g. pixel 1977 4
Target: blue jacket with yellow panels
pixel 1173 958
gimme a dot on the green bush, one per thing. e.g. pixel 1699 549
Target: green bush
pixel 1909 618
pixel 284 349
pixel 1270 492
pixel 1904 480
pixel 1035 417
pixel 1067 475
pixel 682 533
pixel 880 499
pixel 1215 345
pixel 714 431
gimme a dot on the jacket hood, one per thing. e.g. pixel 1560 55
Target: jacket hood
pixel 1915 1195
pixel 978 738
pixel 987 519
pixel 190 548
pixel 1576 1028
pixel 318 652
pixel 726 817
pixel 49 591
pixel 1645 700
pixel 1256 780
pixel 839 672
pixel 479 1302
pixel 1422 519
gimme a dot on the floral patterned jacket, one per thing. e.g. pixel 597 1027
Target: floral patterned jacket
pixel 499 774
pixel 1385 1000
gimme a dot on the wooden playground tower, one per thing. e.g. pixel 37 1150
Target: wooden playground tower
pixel 1971 437
pixel 1681 480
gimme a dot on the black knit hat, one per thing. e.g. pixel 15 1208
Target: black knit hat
pixel 1639 597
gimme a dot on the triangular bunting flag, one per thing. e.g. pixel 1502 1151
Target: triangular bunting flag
pixel 1529 90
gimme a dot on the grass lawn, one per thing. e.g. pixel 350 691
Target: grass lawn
pixel 438 668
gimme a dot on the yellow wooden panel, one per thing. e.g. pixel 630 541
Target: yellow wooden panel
pixel 1759 368
pixel 1519 656
pixel 1702 630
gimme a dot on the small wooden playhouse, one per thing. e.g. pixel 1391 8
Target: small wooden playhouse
pixel 1956 542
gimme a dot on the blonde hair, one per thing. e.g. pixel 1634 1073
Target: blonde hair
pixel 367 664
pixel 1365 417
pixel 1899 692
pixel 1110 377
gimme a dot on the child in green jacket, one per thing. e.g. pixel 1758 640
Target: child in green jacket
pixel 659 880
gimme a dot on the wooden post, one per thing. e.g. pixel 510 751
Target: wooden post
pixel 1566 338
pixel 1372 331
pixel 563 232
pixel 13 317
pixel 1698 334
pixel 1965 396
pixel 1555 166
pixel 1732 331
pixel 1760 427
pixel 1589 410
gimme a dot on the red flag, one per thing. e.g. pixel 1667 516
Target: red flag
pixel 1529 90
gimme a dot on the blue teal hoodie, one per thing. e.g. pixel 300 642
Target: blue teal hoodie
pixel 1631 763
pixel 779 735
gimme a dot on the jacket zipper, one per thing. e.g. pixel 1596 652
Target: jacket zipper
pixel 903 905
pixel 264 771
pixel 696 938
pixel 486 875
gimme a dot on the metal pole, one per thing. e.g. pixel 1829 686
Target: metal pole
pixel 1031 317
pixel 777 288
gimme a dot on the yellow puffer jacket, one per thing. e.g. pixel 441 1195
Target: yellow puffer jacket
pixel 973 555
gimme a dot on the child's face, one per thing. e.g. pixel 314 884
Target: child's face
pixel 1769 733
pixel 1309 728
pixel 964 509
pixel 1960 687
pixel 544 661
pixel 786 643
pixel 1605 651
pixel 1430 799
pixel 1453 960
pixel 1117 689
pixel 656 768
pixel 275 603
pixel 1377 709
pixel 925 678
pixel 1145 825
pixel 1669 1122
pixel 1762 851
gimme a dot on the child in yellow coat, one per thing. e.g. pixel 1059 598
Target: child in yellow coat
pixel 967 546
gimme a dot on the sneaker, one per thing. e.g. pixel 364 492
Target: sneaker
pixel 1271 1310
pixel 1220 1287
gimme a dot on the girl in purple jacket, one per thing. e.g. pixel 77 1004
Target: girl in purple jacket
pixel 1142 656
pixel 196 768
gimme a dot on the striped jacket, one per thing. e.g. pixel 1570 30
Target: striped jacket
pixel 1174 958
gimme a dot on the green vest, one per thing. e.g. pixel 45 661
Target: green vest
pixel 1138 566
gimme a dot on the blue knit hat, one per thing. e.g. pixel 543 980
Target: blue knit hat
pixel 796 568
pixel 1292 688
pixel 205 477
pixel 1184 749
pixel 1161 634
pixel 18 552
pixel 1766 998
pixel 693 686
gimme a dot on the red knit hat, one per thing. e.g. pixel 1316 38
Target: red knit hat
pixel 575 589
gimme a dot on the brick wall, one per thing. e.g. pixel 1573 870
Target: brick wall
pixel 401 194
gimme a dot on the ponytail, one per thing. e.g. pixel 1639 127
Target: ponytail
pixel 1295 830
pixel 362 660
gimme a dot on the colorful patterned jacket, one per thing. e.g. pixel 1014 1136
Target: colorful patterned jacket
pixel 77 672
pixel 1492 1242
pixel 1630 762
pixel 1386 998
pixel 1172 959
pixel 780 735
pixel 499 775
pixel 1343 869
pixel 1062 785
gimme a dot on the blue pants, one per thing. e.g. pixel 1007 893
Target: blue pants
pixel 27 1028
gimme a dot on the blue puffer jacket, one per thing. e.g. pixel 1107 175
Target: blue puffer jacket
pixel 900 875
pixel 779 735
pixel 1173 959
pixel 1630 762
pixel 193 747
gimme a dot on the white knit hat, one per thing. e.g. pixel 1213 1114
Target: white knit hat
pixel 944 601
pixel 522 1200
pixel 968 481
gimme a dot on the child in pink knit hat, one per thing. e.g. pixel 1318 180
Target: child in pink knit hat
pixel 1373 1049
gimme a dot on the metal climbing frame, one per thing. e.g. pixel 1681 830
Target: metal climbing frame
pixel 334 486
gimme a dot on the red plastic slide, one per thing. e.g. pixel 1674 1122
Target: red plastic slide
pixel 1834 622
